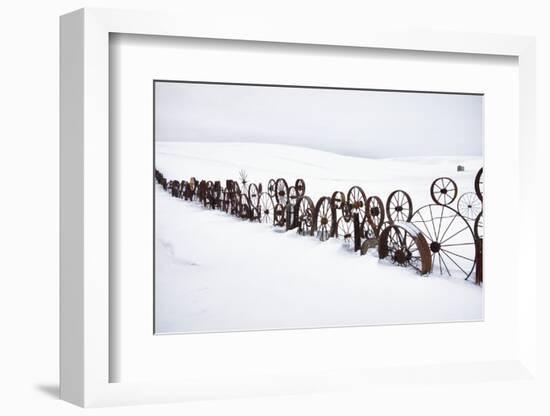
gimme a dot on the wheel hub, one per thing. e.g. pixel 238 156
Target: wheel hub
pixel 444 191
pixel 375 211
pixel 435 246
pixel 400 256
pixel 398 208
pixel 324 221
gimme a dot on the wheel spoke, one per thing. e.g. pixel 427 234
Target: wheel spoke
pixel 456 264
pixel 458 255
pixel 458 232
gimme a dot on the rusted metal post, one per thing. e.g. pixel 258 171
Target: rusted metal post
pixel 290 215
pixel 356 232
pixel 479 261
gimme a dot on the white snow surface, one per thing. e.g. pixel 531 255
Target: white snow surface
pixel 215 272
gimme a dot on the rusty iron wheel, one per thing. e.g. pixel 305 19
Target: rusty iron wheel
pixel 255 214
pixel 253 194
pixel 235 203
pixel 183 188
pixel 266 207
pixel 469 206
pixel 236 187
pixel 226 202
pixel 245 209
pixel 478 184
pixel 304 212
pixel 279 215
pixel 292 195
pixel 406 246
pixel 478 226
pixel 192 183
pixel 375 213
pixel 356 202
pixel 174 187
pixel 344 230
pixel 368 231
pixel 443 191
pixel 338 199
pixel 271 188
pixel 324 219
pixel 300 186
pixel 399 206
pixel 281 191
pixel 450 238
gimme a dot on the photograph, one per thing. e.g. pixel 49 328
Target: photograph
pixel 294 207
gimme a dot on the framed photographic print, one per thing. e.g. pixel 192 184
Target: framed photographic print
pixel 390 175
pixel 256 212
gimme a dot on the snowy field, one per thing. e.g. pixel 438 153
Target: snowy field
pixel 215 272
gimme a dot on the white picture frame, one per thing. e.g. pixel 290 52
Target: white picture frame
pixel 85 220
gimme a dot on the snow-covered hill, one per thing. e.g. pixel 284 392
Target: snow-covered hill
pixel 217 273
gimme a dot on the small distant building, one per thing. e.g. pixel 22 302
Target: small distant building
pixel 460 168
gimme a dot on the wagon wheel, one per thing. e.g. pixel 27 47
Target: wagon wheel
pixel 478 226
pixel 478 184
pixel 208 188
pixel 357 202
pixel 279 215
pixel 226 202
pixel 271 188
pixel 158 176
pixel 244 212
pixel 406 246
pixel 368 231
pixel 338 199
pixel 204 193
pixel 383 226
pixel 324 218
pixel 183 189
pixel 399 206
pixel 300 186
pixel 235 203
pixel 292 195
pixel 192 184
pixel 212 195
pixel 193 188
pixel 217 194
pixel 253 194
pixel 375 213
pixel 195 196
pixel 255 214
pixel 450 238
pixel 443 191
pixel 469 206
pixel 236 187
pixel 244 188
pixel 266 208
pixel 304 214
pixel 175 188
pixel 245 209
pixel 281 191
pixel 344 230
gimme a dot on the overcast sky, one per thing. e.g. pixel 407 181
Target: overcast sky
pixel 361 123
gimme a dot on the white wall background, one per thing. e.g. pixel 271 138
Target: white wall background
pixel 29 207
